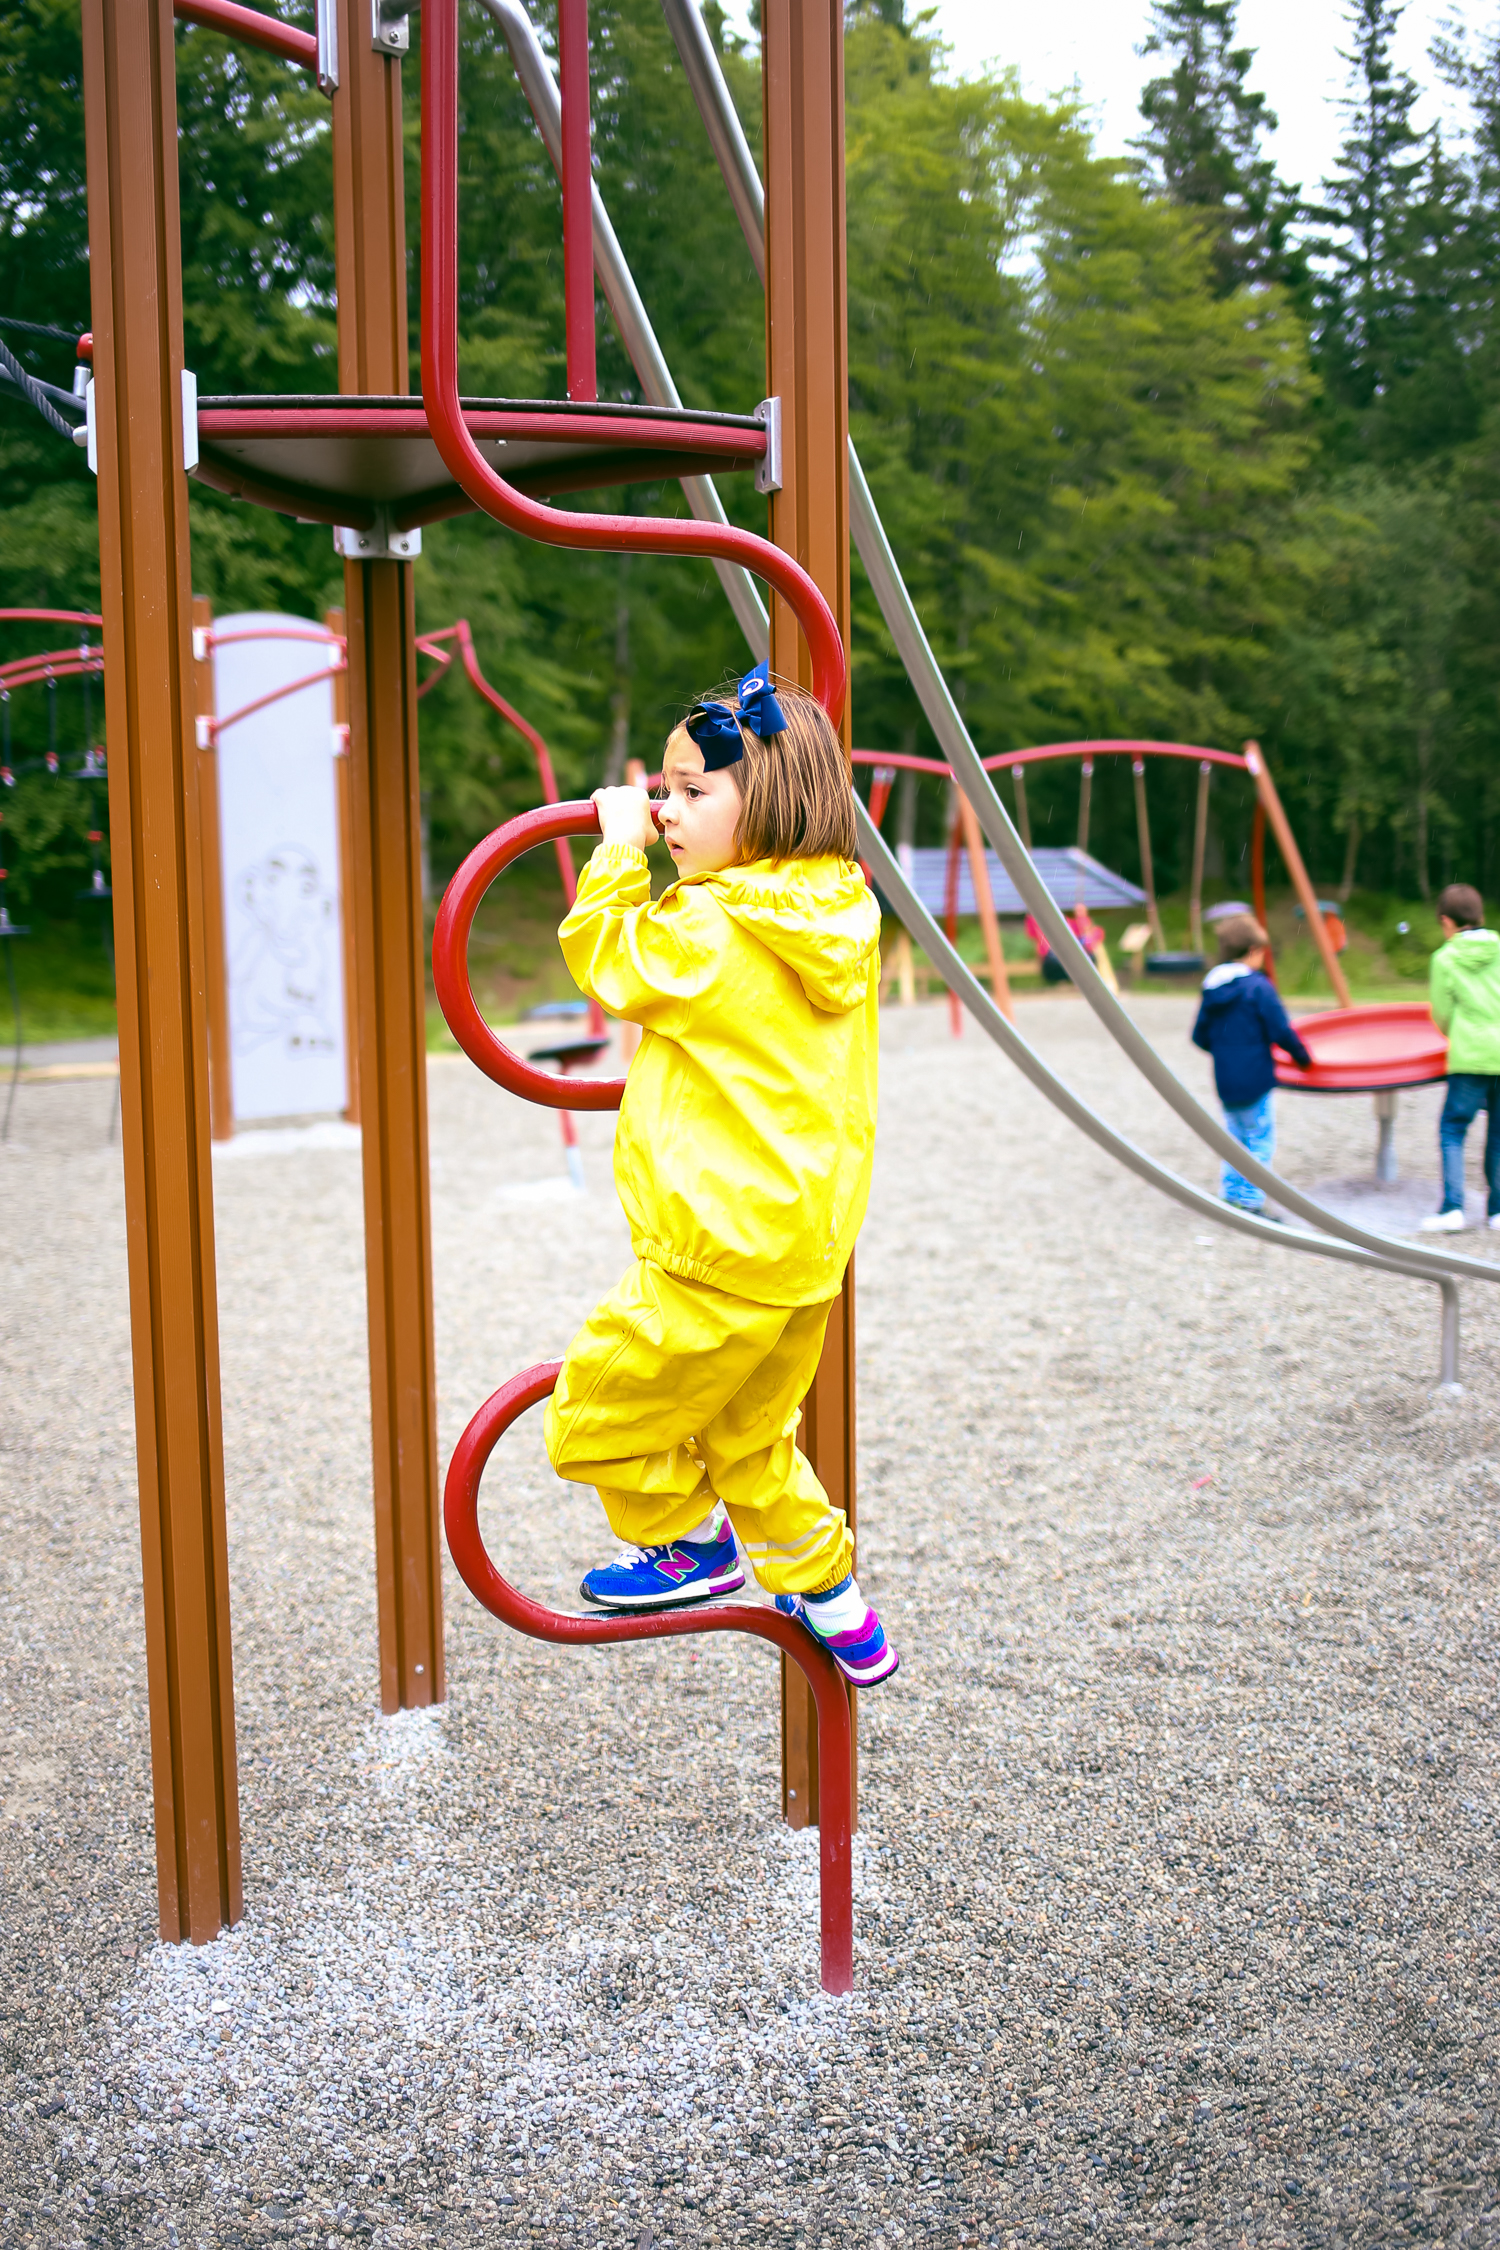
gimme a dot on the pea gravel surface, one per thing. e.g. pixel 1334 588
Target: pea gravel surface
pixel 1176 1885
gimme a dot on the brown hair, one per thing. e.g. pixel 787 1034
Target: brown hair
pixel 1462 904
pixel 1240 935
pixel 796 796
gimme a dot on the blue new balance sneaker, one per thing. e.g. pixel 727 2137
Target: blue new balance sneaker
pixel 688 1570
pixel 848 1628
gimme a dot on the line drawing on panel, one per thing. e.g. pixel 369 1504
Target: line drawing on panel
pixel 282 974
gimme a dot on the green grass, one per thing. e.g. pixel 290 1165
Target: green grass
pixel 67 992
pixel 64 981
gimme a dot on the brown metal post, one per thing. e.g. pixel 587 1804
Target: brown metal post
pixel 215 971
pixel 343 798
pixel 390 983
pixel 130 108
pixel 807 369
pixel 1265 790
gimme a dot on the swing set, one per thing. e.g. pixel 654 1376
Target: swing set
pixel 985 871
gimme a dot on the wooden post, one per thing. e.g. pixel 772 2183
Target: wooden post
pixel 1023 813
pixel 130 110
pixel 216 975
pixel 807 369
pixel 1265 791
pixel 984 906
pixel 390 983
pixel 343 799
pixel 1258 883
pixel 1200 848
pixel 1143 832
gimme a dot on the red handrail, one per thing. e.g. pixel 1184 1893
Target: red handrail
pixel 249 24
pixel 577 197
pixel 502 1600
pixel 469 657
pixel 1123 749
pixel 51 616
pixel 450 963
pixel 557 527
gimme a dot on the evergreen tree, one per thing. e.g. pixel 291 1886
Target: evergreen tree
pixel 1204 129
pixel 1389 201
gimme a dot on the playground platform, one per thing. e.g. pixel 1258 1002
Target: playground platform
pixel 1177 1857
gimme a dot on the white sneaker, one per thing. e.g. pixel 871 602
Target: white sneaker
pixel 1443 1222
pixel 1495 1221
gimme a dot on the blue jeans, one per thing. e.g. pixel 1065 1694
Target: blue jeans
pixel 1468 1094
pixel 1254 1127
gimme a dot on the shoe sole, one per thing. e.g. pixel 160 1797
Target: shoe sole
pixel 635 1604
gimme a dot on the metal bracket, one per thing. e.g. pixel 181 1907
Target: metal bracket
pixel 390 26
pixel 189 420
pixel 768 468
pixel 381 543
pixel 328 46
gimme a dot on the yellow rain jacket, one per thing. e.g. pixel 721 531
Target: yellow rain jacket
pixel 747 1132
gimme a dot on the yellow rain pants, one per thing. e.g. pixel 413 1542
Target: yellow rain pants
pixel 674 1394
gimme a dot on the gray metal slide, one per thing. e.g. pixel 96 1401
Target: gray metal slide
pixel 1333 1236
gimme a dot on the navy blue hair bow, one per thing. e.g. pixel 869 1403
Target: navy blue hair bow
pixel 759 709
pixel 716 729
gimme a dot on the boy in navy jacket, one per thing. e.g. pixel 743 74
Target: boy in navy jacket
pixel 1239 1021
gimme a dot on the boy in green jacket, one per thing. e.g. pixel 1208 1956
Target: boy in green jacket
pixel 1466 1006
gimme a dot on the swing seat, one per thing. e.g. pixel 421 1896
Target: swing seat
pixel 569 1051
pixel 1174 964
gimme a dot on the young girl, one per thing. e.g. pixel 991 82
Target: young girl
pixel 742 1159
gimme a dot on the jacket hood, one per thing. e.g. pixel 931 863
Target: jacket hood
pixel 1221 987
pixel 1473 949
pixel 819 916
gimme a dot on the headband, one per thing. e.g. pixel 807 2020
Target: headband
pixel 716 729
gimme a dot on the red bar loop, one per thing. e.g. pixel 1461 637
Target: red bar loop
pixel 513 1608
pixel 450 962
pixel 557 527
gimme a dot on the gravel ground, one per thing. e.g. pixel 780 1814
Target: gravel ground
pixel 1176 1884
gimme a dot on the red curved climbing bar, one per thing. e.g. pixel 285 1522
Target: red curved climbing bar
pixel 502 1600
pixel 557 527
pixel 450 962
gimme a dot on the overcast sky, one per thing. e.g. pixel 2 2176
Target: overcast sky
pixel 1297 65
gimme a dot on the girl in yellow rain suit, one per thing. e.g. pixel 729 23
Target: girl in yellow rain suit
pixel 742 1159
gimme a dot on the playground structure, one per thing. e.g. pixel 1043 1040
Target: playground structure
pixel 363 463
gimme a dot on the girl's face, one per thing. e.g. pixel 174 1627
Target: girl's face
pixel 701 811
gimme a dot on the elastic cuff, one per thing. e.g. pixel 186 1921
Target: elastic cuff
pixel 826 1585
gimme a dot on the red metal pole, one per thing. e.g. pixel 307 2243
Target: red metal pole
pixel 557 527
pixel 577 197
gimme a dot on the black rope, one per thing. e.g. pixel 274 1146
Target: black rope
pixel 35 391
pixel 39 328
